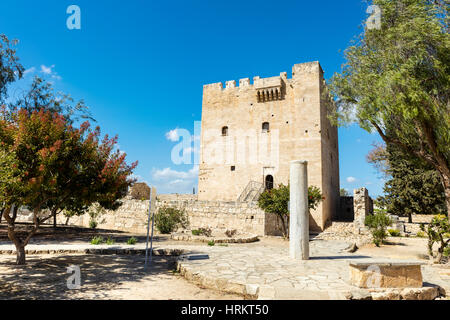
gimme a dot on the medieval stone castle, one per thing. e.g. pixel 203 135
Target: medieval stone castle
pixel 251 132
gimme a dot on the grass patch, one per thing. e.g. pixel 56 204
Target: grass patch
pixel 132 241
pixel 394 233
pixel 97 240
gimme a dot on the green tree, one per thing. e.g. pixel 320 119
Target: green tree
pixel 10 68
pixel 414 187
pixel 275 201
pixel 400 73
pixel 344 193
pixel 58 166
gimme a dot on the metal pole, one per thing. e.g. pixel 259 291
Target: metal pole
pixel 151 239
pixel 148 228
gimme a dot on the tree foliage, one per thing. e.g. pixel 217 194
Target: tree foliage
pixel 414 187
pixel 377 224
pixel 437 231
pixel 10 68
pixel 400 74
pixel 275 201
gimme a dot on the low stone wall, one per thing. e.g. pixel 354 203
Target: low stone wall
pixel 219 216
pixel 132 216
pixel 222 216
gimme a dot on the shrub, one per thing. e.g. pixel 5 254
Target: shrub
pixel 435 232
pixel 394 233
pixel 140 191
pixel 421 234
pixel 168 220
pixel 377 225
pixel 97 240
pixel 202 232
pixel 110 241
pixel 132 241
pixel 211 243
pixel 92 224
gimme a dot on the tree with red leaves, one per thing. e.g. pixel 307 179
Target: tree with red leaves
pixel 56 167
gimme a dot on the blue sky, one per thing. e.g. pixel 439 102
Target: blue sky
pixel 141 65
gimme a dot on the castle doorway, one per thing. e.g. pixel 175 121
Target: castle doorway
pixel 268 183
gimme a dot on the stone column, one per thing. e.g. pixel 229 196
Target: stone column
pixel 361 206
pixel 299 213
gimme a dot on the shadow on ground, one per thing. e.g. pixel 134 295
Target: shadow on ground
pixel 45 277
pixel 48 234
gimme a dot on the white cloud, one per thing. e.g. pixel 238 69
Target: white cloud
pixel 168 180
pixel 47 70
pixel 50 72
pixel 172 135
pixel 168 173
pixel 351 179
pixel 30 70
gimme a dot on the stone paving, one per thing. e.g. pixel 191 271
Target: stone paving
pixel 260 270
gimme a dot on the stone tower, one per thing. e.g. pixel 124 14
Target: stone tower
pixel 250 133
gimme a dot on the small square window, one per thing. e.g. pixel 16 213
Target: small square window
pixel 233 168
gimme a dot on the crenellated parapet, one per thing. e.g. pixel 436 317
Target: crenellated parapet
pixel 266 89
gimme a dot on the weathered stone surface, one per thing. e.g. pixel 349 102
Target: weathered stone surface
pixel 386 274
pixel 296 111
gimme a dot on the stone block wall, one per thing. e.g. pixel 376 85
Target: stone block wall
pixel 363 206
pixel 220 216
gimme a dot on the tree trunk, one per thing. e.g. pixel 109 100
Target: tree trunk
pixel 409 218
pixel 20 258
pixel 446 184
pixel 54 220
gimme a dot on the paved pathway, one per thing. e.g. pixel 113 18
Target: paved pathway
pixel 263 270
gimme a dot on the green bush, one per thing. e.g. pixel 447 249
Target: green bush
pixel 394 233
pixel 167 220
pixel 97 240
pixel 447 252
pixel 92 224
pixel 132 241
pixel 211 243
pixel 377 225
pixel 202 232
pixel 435 232
pixel 110 241
pixel 421 234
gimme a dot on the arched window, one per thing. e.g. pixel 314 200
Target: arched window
pixel 265 127
pixel 224 131
pixel 268 183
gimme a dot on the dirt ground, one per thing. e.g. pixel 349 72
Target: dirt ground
pixel 102 277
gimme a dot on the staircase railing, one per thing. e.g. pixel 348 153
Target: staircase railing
pixel 252 186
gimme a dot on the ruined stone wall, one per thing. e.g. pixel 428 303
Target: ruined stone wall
pixel 363 206
pixel 219 216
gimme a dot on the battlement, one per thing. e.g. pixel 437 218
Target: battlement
pixel 265 83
